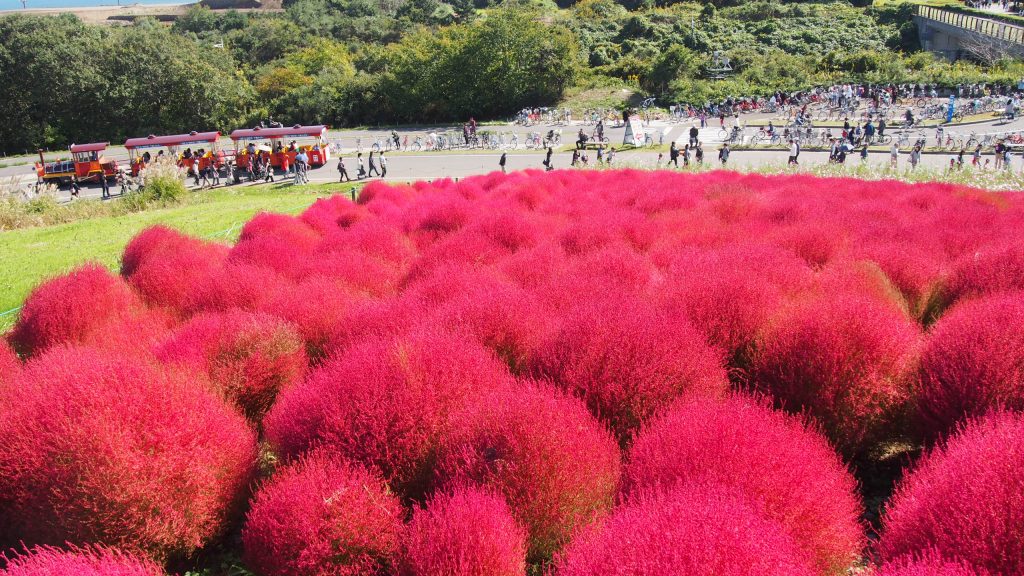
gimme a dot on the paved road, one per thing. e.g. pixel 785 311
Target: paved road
pixel 407 166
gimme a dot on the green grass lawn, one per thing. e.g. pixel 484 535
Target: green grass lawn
pixel 34 254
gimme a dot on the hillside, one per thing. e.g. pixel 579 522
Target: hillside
pixel 381 62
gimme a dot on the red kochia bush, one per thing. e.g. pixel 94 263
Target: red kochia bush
pixel 164 266
pixel 973 361
pixel 772 457
pixel 154 240
pixel 985 271
pixel 929 564
pixel 322 516
pixel 10 366
pixel 628 360
pixel 556 466
pixel 108 450
pixel 696 530
pixel 87 306
pixel 385 403
pixel 469 532
pixel 248 357
pixel 965 499
pixel 845 358
pixel 730 293
pixel 92 561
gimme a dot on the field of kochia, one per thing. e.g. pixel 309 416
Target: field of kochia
pixel 614 373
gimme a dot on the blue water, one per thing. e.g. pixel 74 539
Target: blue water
pixel 16 4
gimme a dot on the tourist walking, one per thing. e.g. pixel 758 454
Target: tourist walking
pixel 342 172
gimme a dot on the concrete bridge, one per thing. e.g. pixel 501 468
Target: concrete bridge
pixel 955 34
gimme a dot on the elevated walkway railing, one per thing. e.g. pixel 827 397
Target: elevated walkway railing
pixel 976 24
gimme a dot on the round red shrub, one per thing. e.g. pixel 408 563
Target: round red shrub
pixel 964 499
pixel 556 466
pixel 385 403
pixel 322 516
pixel 730 293
pixel 316 307
pixel 88 306
pixel 696 530
pixel 847 360
pixel 988 270
pixel 158 239
pixel 770 456
pixel 929 564
pixel 973 361
pixel 109 450
pixel 331 213
pixel 248 357
pixel 469 532
pixel 164 266
pixel 628 360
pixel 91 561
pixel 236 285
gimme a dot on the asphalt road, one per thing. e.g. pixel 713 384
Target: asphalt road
pixel 405 166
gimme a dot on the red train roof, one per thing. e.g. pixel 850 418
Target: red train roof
pixel 94 147
pixel 175 140
pixel 267 133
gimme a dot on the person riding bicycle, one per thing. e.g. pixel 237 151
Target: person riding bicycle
pixel 550 137
pixel 396 139
pixel 770 130
pixel 909 117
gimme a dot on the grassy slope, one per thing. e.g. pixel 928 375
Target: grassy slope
pixel 33 254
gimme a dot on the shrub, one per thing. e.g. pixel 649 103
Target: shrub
pixel 770 456
pixel 276 241
pixel 985 271
pixel 730 293
pixel 929 564
pixel 317 307
pixel 92 561
pixel 847 360
pixel 89 306
pixel 248 357
pixel 164 182
pixel 151 241
pixel 235 285
pixel 973 361
pixel 10 365
pixel 697 530
pixel 628 360
pixel 385 403
pixel 556 466
pixel 322 516
pixel 109 450
pixel 165 266
pixel 964 499
pixel 467 532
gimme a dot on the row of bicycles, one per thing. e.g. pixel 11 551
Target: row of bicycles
pixel 439 141
pixel 951 141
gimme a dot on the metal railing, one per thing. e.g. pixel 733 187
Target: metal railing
pixel 992 28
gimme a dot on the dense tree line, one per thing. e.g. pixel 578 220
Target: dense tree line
pixel 346 62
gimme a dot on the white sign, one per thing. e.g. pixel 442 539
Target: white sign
pixel 634 133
